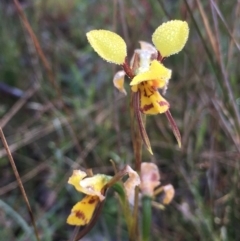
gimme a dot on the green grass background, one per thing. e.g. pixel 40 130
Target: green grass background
pixel 49 139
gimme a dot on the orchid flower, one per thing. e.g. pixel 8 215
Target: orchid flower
pixel 149 184
pixel 94 188
pixel 146 71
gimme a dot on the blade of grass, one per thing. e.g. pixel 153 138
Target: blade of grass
pixel 208 28
pixel 11 212
pixel 234 32
pixel 222 66
pixel 217 10
pixel 208 52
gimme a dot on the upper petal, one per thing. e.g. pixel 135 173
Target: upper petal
pixel 75 179
pixel 94 185
pixel 110 46
pixel 156 72
pixel 170 37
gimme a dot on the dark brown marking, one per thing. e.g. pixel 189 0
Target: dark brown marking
pixel 80 215
pixel 146 108
pixel 145 93
pixel 92 200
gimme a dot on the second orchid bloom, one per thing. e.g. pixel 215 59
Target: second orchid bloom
pixel 146 71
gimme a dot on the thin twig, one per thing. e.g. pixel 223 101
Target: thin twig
pixel 37 46
pixel 4 141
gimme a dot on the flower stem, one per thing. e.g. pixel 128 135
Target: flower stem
pixel 136 136
pixel 147 217
pixel 134 234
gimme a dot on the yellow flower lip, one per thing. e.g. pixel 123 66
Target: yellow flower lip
pixel 156 72
pixel 170 37
pixel 151 102
pixel 110 46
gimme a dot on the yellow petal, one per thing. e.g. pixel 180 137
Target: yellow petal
pixel 151 102
pixel 156 72
pixel 170 37
pixel 94 185
pixel 118 81
pixel 75 179
pixel 110 46
pixel 83 211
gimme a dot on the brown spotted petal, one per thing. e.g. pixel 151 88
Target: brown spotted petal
pixel 151 102
pixel 82 212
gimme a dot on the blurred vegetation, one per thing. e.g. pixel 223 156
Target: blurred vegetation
pixel 82 121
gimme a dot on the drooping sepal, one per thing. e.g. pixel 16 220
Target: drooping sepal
pixel 142 130
pixel 174 128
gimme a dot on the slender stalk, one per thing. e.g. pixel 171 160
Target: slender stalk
pixel 136 136
pixel 4 141
pixel 147 217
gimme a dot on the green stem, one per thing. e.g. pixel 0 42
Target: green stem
pixel 147 217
